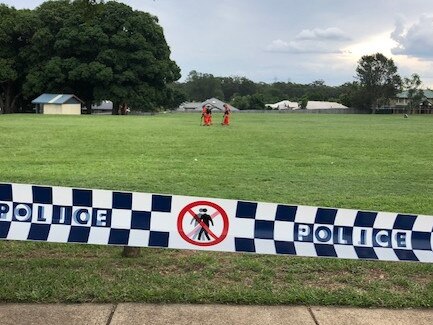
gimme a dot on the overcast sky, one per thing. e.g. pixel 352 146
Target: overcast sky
pixel 292 40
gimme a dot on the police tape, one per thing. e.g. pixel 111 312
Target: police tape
pixel 102 217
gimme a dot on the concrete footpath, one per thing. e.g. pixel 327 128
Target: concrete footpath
pixel 111 314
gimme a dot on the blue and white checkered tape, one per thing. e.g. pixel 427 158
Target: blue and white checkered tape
pixel 102 217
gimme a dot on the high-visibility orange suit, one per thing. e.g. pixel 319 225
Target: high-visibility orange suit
pixel 205 115
pixel 227 113
pixel 209 112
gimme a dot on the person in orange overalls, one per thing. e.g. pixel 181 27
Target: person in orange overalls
pixel 209 111
pixel 203 115
pixel 227 112
pixel 206 116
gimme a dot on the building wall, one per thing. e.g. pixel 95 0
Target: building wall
pixel 398 102
pixel 65 109
pixel 71 109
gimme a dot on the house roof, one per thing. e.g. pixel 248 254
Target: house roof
pixel 312 104
pixel 191 105
pixel 105 105
pixel 218 104
pixel 56 99
pixel 285 104
pixel 428 93
pixel 215 103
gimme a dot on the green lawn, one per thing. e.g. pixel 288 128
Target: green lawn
pixel 353 161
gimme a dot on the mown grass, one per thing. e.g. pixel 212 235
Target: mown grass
pixel 364 162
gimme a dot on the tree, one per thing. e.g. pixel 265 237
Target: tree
pixel 101 51
pixel 202 86
pixel 303 102
pixel 175 96
pixel 237 85
pixel 255 102
pixel 353 95
pixel 139 57
pixel 16 30
pixel 379 79
pixel 246 86
pixel 240 102
pixel 415 94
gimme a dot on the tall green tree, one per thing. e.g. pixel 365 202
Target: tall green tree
pixel 353 95
pixel 101 51
pixel 236 85
pixel 16 31
pixel 241 102
pixel 379 79
pixel 202 86
pixel 254 101
pixel 139 57
pixel 175 96
pixel 303 103
pixel 415 94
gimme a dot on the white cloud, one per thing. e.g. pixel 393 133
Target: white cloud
pixel 311 41
pixel 399 30
pixel 304 47
pixel 415 41
pixel 301 47
pixel 278 46
pixel 328 34
pixel 378 43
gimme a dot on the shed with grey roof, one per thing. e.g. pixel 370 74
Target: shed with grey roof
pixel 214 103
pixel 62 104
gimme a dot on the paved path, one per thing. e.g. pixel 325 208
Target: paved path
pixel 111 314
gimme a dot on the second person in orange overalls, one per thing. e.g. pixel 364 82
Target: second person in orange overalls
pixel 227 112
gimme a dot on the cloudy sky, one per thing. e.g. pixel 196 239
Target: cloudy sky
pixel 292 40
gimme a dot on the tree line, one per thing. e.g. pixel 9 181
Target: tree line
pixel 247 94
pixel 107 51
pixel 376 82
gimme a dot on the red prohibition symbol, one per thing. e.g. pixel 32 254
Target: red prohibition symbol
pixel 202 222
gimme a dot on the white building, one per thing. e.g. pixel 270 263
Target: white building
pixel 104 107
pixel 214 103
pixel 324 105
pixel 312 104
pixel 285 104
pixel 58 104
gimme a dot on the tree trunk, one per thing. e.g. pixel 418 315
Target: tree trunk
pixel 131 251
pixel 89 107
pixel 2 104
pixel 9 101
pixel 115 109
pixel 14 102
pixel 375 106
pixel 123 109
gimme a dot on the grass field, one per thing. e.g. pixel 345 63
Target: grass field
pixel 353 161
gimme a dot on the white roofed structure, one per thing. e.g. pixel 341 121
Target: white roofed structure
pixel 324 105
pixel 214 103
pixel 190 106
pixel 285 104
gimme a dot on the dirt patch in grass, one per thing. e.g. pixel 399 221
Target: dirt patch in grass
pixel 376 275
pixel 423 280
